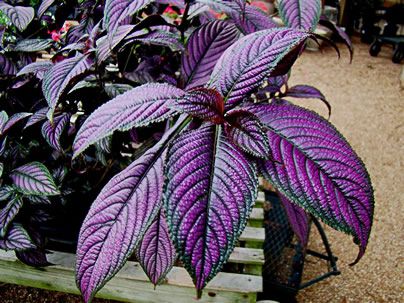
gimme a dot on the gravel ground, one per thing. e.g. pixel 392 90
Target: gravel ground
pixel 368 108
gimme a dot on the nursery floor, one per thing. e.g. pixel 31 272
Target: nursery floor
pixel 368 108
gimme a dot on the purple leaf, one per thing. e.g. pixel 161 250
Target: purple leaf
pixel 138 107
pixel 300 14
pixel 249 21
pixel 208 195
pixel 118 219
pixel 34 179
pixel 116 11
pixel 17 239
pixel 339 32
pixel 3 121
pixel 204 48
pixel 37 68
pixel 115 89
pixel 45 4
pixel 33 257
pixel 84 28
pixel 275 83
pixel 7 67
pixel 14 119
pixel 8 213
pixel 20 16
pixel 157 37
pixel 307 91
pixel 247 132
pixel 156 252
pixel 6 192
pixel 315 167
pixel 298 219
pixel 39 200
pixel 52 131
pixel 32 45
pixel 257 56
pixel 37 117
pixel 61 76
pixel 204 103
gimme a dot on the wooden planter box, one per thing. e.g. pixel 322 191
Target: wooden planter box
pixel 132 285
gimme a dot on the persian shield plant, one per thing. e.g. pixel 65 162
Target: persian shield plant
pixel 220 88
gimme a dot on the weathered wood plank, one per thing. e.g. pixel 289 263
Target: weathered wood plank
pixel 253 234
pixel 256 218
pixel 130 284
pixel 259 202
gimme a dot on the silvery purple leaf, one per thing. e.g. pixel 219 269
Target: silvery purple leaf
pixel 157 37
pixel 40 200
pixel 300 14
pixel 315 167
pixel 298 219
pixel 16 239
pixel 209 192
pixel 115 89
pixel 32 45
pixel 52 131
pixel 248 21
pixel 37 68
pixel 204 47
pixel 3 121
pixel 275 83
pixel 34 179
pixel 257 56
pixel 14 119
pixel 37 117
pixel 118 219
pixel 8 213
pixel 247 132
pixel 6 192
pixel 20 16
pixel 84 28
pixel 61 76
pixel 138 107
pixel 116 11
pixel 204 103
pixel 7 67
pixel 307 91
pixel 156 253
pixel 3 142
pixel 339 32
pixel 45 4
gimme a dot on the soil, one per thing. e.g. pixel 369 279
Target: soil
pixel 368 108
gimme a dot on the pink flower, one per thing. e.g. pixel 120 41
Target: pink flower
pixel 55 35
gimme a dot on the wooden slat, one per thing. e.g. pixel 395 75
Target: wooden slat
pixel 130 284
pixel 256 218
pixel 253 234
pixel 260 199
pixel 244 255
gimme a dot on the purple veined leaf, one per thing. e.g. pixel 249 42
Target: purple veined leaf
pixel 300 14
pixel 209 192
pixel 317 169
pixel 96 31
pixel 38 116
pixel 3 142
pixel 138 107
pixel 61 76
pixel 33 257
pixel 52 131
pixel 89 82
pixel 37 68
pixel 20 16
pixel 275 83
pixel 6 192
pixel 339 32
pixel 32 45
pixel 8 213
pixel 157 37
pixel 45 4
pixel 3 121
pixel 16 239
pixel 203 50
pixel 204 103
pixel 116 11
pixel 39 200
pixel 7 67
pixel 105 47
pixel 120 216
pixel 14 119
pixel 298 219
pixel 307 91
pixel 156 253
pixel 248 21
pixel 257 56
pixel 115 89
pixel 247 132
pixel 34 179
pixel 84 28
pixel 2 31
